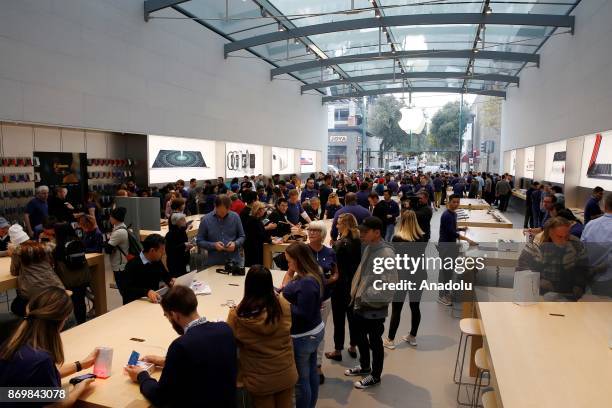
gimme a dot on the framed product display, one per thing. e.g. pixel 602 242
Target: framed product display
pixel 308 161
pixel 173 158
pixel 597 161
pixel 283 160
pixel 555 162
pixel 529 162
pixel 243 160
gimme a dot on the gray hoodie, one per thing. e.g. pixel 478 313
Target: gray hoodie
pixel 366 300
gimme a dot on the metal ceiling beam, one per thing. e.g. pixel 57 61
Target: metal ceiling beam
pixel 411 75
pixel 151 6
pixel 427 54
pixel 541 20
pixel 501 94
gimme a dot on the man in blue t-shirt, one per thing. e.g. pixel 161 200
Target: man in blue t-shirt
pixel 449 234
pixel 36 211
pixel 309 192
pixel 592 209
pixel 295 210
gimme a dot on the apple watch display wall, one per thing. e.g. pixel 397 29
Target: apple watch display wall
pixel 283 160
pixel 243 160
pixel 555 162
pixel 308 161
pixel 597 161
pixel 173 158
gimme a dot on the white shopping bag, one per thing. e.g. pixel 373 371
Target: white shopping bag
pixel 526 287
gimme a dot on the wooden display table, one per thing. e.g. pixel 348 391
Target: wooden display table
pixel 474 204
pixel 484 218
pixel 98 279
pixel 519 194
pixel 578 213
pixel 192 232
pixel 143 320
pixel 271 249
pixel 490 236
pixel 533 364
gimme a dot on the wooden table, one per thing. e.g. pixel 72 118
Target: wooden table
pixel 482 218
pixel 520 194
pixel 98 279
pixel 192 232
pixel 271 249
pixel 491 235
pixel 578 213
pixel 544 361
pixel 474 204
pixel 143 320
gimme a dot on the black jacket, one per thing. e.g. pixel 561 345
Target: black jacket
pixel 256 235
pixel 282 226
pixel 424 214
pixel 200 370
pixel 177 258
pixel 139 278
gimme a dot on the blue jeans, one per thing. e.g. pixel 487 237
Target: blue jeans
pixel 307 387
pixel 390 230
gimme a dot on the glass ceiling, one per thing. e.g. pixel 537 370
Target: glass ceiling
pixel 243 19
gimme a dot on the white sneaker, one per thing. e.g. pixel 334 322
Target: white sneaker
pixel 390 344
pixel 410 340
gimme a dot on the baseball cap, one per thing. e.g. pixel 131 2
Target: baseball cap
pixel 371 223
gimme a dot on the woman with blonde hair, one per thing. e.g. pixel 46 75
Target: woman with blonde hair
pixel 348 256
pixel 303 287
pixel 333 205
pixel 256 234
pixel 34 356
pixel 412 236
pixel 560 258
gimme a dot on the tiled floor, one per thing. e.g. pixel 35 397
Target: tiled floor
pixel 418 377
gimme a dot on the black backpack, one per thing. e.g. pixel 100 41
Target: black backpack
pixel 134 245
pixel 74 254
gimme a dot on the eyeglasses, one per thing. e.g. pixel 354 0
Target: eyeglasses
pixel 314 231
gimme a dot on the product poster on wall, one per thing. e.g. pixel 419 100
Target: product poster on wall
pixel 282 160
pixel 555 162
pixel 529 162
pixel 597 161
pixel 308 161
pixel 243 160
pixel 173 158
pixel 513 162
pixel 54 169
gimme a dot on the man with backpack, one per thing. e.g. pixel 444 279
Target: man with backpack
pixel 118 244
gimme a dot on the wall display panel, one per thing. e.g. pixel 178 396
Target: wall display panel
pixel 283 160
pixel 529 162
pixel 555 162
pixel 308 161
pixel 512 162
pixel 173 158
pixel 597 161
pixel 243 159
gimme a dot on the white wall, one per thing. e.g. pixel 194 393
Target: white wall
pixel 571 93
pixel 96 64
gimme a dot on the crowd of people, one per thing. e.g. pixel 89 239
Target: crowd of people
pixel 278 333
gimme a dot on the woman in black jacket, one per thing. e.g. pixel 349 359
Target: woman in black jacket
pixel 348 256
pixel 412 235
pixel 255 235
pixel 177 246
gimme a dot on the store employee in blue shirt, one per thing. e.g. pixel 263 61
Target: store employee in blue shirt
pixel 36 211
pixel 309 192
pixel 448 236
pixel 295 210
pixel 592 209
